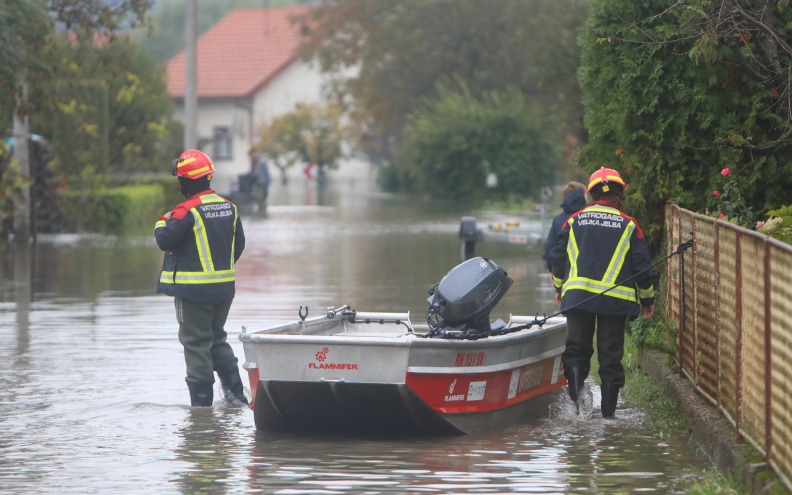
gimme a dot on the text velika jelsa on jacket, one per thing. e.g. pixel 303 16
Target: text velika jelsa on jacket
pixel 202 241
pixel 600 248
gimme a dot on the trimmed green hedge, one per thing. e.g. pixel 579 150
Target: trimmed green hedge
pixel 128 209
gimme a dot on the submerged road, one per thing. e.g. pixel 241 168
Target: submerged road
pixel 93 399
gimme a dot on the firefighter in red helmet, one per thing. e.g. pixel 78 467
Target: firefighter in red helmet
pixel 202 238
pixel 601 248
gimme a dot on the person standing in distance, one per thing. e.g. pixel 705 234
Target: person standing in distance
pixel 601 248
pixel 202 238
pixel 574 200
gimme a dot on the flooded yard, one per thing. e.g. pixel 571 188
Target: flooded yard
pixel 92 392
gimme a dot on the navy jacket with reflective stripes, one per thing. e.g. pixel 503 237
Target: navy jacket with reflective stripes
pixel 202 241
pixel 600 248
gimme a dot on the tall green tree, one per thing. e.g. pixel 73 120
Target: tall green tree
pixel 109 108
pixel 457 139
pixel 27 31
pixel 98 97
pixel 403 48
pixel 26 26
pixel 675 91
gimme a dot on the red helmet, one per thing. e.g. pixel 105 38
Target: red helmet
pixel 605 175
pixel 192 164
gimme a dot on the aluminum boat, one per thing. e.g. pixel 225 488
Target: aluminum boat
pixel 375 372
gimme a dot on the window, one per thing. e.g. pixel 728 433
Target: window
pixel 222 144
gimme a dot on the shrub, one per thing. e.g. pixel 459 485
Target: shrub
pixel 130 209
pixel 779 225
pixel 658 332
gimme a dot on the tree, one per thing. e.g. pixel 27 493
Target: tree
pixel 26 26
pixel 310 134
pixel 27 29
pixel 454 141
pixel 403 48
pixel 108 107
pixel 672 98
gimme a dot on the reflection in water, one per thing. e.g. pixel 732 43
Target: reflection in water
pixel 92 397
pixel 23 269
pixel 208 447
pixel 550 455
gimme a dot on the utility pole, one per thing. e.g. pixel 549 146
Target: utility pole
pixel 190 77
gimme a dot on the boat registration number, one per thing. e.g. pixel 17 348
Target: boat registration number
pixel 469 359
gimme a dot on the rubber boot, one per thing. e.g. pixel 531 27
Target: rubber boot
pixel 575 384
pixel 232 389
pixel 201 394
pixel 610 395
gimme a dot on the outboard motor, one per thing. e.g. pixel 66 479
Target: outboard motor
pixel 460 305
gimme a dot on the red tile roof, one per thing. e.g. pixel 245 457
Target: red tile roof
pixel 240 54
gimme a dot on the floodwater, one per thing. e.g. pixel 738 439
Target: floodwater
pixel 92 392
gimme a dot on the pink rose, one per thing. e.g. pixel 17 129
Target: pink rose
pixel 759 224
pixel 725 172
pixel 715 193
pixel 721 216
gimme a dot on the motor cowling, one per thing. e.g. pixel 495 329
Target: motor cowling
pixel 460 305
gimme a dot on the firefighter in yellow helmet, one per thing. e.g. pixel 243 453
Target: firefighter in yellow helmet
pixel 601 248
pixel 202 238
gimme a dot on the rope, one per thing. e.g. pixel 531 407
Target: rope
pixel 541 321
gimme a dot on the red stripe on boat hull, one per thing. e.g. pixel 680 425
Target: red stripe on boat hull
pixel 478 392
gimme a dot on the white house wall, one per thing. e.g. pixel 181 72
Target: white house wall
pixel 232 114
pixel 300 82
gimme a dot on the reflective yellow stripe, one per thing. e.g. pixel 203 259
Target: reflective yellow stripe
pixel 214 198
pixel 233 237
pixel 209 275
pixel 197 277
pixel 558 282
pixel 572 250
pixel 160 223
pixel 646 293
pixel 198 171
pixel 615 264
pixel 605 209
pixel 617 261
pixel 188 161
pixel 595 286
pixel 201 239
pixel 596 181
pixel 202 243
pixel 211 198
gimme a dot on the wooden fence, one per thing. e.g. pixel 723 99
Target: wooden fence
pixel 732 298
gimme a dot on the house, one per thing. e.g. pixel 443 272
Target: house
pixel 247 74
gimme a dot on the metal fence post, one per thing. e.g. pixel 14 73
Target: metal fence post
pixel 768 351
pixel 739 344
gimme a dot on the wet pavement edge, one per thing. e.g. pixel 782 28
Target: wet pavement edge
pixel 710 429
